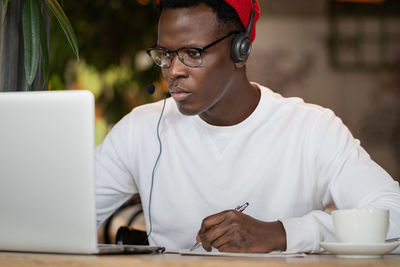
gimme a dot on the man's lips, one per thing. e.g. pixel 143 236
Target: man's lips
pixel 179 94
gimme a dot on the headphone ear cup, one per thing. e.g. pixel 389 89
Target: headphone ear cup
pixel 241 47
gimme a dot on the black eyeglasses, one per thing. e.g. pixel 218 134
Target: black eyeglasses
pixel 190 56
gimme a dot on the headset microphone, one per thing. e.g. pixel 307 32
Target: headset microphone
pixel 150 87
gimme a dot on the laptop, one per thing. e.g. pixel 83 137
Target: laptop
pixel 47 187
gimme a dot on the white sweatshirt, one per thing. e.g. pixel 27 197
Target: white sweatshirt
pixel 288 159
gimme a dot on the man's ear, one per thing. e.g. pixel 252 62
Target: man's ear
pixel 240 64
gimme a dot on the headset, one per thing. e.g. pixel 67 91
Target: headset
pixel 241 44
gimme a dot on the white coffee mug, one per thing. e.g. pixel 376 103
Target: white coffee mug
pixel 368 225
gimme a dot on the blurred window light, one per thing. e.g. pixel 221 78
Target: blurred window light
pixel 143 61
pixel 363 35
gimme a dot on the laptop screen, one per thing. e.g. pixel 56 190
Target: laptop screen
pixel 47 195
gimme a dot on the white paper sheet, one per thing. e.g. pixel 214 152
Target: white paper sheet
pixel 214 252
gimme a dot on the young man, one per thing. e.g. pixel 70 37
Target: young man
pixel 222 141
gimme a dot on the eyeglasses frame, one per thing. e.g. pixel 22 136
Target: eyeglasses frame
pixel 201 50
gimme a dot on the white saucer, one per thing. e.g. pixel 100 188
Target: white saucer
pixel 357 250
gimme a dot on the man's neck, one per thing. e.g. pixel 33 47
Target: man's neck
pixel 235 107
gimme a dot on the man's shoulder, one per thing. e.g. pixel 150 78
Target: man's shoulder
pixel 291 105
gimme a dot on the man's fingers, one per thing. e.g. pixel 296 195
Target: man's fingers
pixel 231 240
pixel 221 241
pixel 213 220
pixel 213 234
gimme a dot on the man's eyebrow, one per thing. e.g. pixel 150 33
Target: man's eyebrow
pixel 160 46
pixel 183 46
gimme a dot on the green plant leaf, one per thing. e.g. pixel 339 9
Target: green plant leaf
pixel 5 10
pixel 44 50
pixel 62 19
pixel 31 32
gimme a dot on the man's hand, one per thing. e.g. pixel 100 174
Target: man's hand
pixel 233 231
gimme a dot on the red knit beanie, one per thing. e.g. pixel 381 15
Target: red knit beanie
pixel 243 8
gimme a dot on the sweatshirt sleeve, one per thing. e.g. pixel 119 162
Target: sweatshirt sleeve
pixel 346 177
pixel 114 180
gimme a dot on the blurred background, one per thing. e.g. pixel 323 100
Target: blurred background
pixel 341 54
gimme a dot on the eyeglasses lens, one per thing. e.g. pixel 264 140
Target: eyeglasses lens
pixel 189 56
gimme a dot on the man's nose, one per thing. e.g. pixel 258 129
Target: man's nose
pixel 177 68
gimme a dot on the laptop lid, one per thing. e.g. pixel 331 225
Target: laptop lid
pixel 47 191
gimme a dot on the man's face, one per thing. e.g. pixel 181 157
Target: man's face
pixel 204 89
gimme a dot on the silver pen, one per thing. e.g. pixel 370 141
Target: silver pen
pixel 240 208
